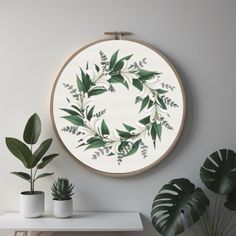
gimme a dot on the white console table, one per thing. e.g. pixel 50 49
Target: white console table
pixel 81 221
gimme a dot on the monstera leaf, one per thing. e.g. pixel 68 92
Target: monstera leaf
pixel 178 205
pixel 218 172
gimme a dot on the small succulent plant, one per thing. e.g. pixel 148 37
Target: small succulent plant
pixel 62 189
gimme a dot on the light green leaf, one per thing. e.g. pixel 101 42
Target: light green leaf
pixel 20 151
pixel 146 75
pixel 32 129
pixel 76 120
pixel 158 128
pixel 22 175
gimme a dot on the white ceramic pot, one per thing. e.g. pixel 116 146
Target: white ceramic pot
pixel 62 208
pixel 32 205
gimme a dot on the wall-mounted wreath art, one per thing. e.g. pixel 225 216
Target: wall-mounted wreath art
pixel 118 106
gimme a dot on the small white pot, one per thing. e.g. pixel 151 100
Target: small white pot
pixel 32 205
pixel 62 208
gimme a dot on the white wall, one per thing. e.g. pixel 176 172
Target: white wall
pixel 36 37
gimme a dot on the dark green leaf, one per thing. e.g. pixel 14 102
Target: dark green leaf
pixel 32 129
pixel 20 151
pixel 129 128
pixel 118 66
pixel 124 134
pixel 218 172
pixel 90 113
pixel 22 175
pixel 41 150
pixel 231 201
pixel 178 205
pixel 161 91
pixel 44 175
pixel 80 84
pixel 153 134
pixel 161 103
pixel 76 120
pixel 138 84
pixel 113 60
pixel 85 80
pixel 69 111
pixel 146 75
pixel 95 91
pixel 118 79
pixel 158 128
pixel 104 128
pixel 46 160
pixel 145 121
pixel 96 144
pixel 50 157
pixel 133 149
pixel 144 103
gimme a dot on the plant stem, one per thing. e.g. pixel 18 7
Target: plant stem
pixel 31 173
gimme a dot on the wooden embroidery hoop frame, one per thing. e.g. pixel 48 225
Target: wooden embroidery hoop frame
pixel 118 35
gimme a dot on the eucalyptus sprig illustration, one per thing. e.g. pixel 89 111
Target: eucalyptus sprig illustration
pixel 89 124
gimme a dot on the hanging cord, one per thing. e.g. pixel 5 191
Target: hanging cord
pixel 118 34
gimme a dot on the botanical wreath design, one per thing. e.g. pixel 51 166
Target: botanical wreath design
pixel 88 124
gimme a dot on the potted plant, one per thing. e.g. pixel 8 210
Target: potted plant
pixel 179 204
pixel 31 202
pixel 62 192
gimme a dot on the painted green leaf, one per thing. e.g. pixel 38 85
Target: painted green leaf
pixel 113 60
pixel 69 111
pixel 161 91
pixel 80 84
pixel 97 68
pixel 90 113
pixel 144 103
pixel 154 135
pixel 96 144
pixel 146 75
pixel 41 150
pixel 138 84
pixel 133 149
pixel 158 128
pixel 85 80
pixel 118 79
pixel 161 103
pixel 124 134
pixel 98 91
pixel 76 120
pixel 32 129
pixel 104 128
pixel 118 66
pixel 44 175
pixel 22 175
pixel 128 127
pixel 20 151
pixel 145 121
pixel 94 139
pixel 150 103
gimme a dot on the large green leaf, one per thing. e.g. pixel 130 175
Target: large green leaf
pixel 218 172
pixel 231 201
pixel 178 205
pixel 47 159
pixel 22 175
pixel 32 129
pixel 43 175
pixel 41 150
pixel 104 128
pixel 133 149
pixel 113 60
pixel 20 151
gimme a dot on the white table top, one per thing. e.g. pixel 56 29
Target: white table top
pixel 80 221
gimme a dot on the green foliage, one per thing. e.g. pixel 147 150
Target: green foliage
pixel 62 189
pixel 29 158
pixel 179 204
